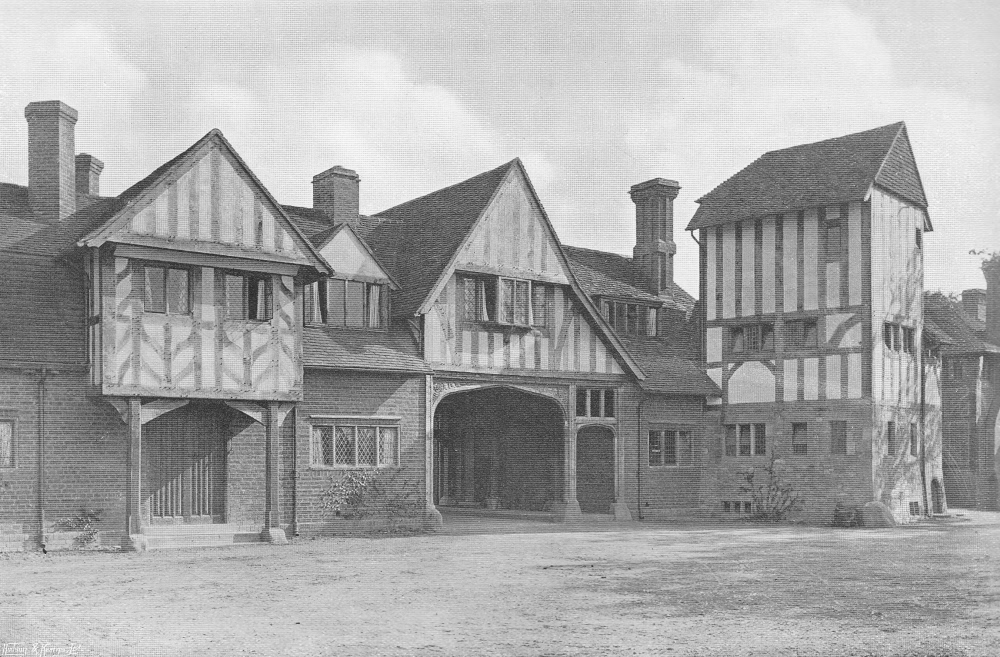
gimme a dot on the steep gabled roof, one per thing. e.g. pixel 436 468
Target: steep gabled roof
pixel 823 173
pixel 964 334
pixel 418 239
pixel 603 274
pixel 113 215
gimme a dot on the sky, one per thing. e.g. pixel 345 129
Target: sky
pixel 593 97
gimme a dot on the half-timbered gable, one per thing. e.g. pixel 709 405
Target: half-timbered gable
pixel 195 284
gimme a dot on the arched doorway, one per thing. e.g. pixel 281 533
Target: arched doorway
pixel 498 447
pixel 937 496
pixel 595 469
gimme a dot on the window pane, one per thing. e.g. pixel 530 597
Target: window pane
pixel 767 337
pixel 731 440
pixel 651 321
pixel 469 306
pixel 323 302
pixel 738 343
pixel 609 403
pixel 258 298
pixel 539 305
pixel 388 445
pixel 521 303
pixel 374 305
pixel 621 312
pixel 595 403
pixel 581 402
pixel 506 301
pixel 669 448
pixel 355 304
pixel 887 335
pixel 177 291
pixel 344 454
pixel 633 319
pixel 323 447
pixel 235 307
pixel 335 302
pixel 799 442
pixel 367 447
pixel 489 299
pixel 154 302
pixel 655 454
pixel 6 444
pixel 744 440
pixel 759 439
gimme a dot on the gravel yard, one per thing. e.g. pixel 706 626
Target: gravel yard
pixel 527 588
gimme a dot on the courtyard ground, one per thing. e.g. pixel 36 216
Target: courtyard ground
pixel 527 588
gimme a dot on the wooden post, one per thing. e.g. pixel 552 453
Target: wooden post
pixel 272 533
pixel 432 517
pixel 568 508
pixel 134 524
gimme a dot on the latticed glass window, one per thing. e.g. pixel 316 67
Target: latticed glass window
pixel 361 446
pixel 507 301
pixel 522 303
pixel 539 305
pixel 346 445
pixel 165 290
pixel 746 440
pixel 367 446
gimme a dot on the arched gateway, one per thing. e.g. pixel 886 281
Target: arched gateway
pixel 499 447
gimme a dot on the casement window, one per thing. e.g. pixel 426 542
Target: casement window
pixel 890 438
pixel 501 300
pixel 737 506
pixel 6 443
pixel 800 438
pixel 629 318
pixel 249 296
pixel 801 334
pixel 595 402
pixel 350 304
pixel 752 338
pixel 350 444
pixel 838 436
pixel 670 447
pixel 166 289
pixel 746 440
pixel 898 338
pixel 914 439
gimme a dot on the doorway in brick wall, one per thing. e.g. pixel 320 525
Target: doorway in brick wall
pixel 595 474
pixel 184 465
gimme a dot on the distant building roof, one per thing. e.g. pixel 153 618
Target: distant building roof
pixel 963 334
pixel 823 173
pixel 603 274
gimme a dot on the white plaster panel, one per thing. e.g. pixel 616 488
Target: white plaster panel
pixel 713 344
pixel 790 249
pixel 729 271
pixel 810 260
pixel 791 380
pixel 710 282
pixel 751 382
pixel 767 256
pixel 748 304
pixel 810 378
pixel 833 389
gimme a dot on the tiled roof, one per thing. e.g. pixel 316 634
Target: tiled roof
pixel 667 372
pixel 823 173
pixel 416 240
pixel 964 334
pixel 21 231
pixel 394 350
pixel 608 274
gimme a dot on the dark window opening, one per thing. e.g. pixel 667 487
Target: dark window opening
pixel 800 440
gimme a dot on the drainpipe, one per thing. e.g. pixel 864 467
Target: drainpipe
pixel 638 455
pixel 923 435
pixel 41 457
pixel 295 470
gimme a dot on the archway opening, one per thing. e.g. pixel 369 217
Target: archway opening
pixel 498 448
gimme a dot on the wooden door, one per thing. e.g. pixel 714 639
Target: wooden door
pixel 184 466
pixel 595 469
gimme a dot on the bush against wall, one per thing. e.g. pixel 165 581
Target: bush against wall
pixel 387 497
pixel 772 497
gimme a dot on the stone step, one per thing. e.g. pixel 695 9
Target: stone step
pixel 197 528
pixel 163 541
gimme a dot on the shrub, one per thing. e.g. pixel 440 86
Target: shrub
pixel 84 523
pixel 386 495
pixel 772 498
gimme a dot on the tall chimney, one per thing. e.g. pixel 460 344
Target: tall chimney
pixel 653 255
pixel 991 269
pixel 335 192
pixel 51 165
pixel 974 304
pixel 88 174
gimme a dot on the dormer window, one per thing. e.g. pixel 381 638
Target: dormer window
pixel 347 304
pixel 502 300
pixel 629 318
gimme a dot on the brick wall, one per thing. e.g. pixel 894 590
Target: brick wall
pixel 351 394
pixel 246 467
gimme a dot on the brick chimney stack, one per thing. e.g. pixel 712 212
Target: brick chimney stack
pixel 991 269
pixel 974 304
pixel 51 162
pixel 336 192
pixel 653 255
pixel 88 174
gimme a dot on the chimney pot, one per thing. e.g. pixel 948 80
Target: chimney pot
pixel 653 255
pixel 88 174
pixel 974 303
pixel 336 192
pixel 991 270
pixel 51 162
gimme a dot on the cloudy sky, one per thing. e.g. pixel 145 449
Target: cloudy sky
pixel 593 98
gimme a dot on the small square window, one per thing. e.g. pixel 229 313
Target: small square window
pixel 725 507
pixel 800 441
pixel 914 508
pixel 747 507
